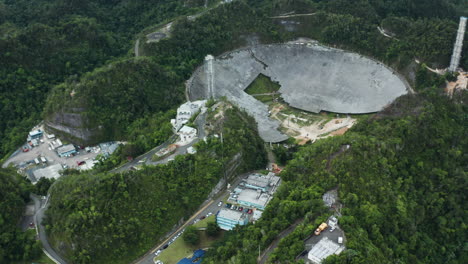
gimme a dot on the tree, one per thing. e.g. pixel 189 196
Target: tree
pixel 212 229
pixel 43 185
pixel 191 235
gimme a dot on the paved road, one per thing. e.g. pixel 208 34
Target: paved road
pixel 294 15
pixel 210 206
pixel 41 206
pixel 146 158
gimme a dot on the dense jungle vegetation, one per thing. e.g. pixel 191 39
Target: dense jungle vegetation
pixel 413 153
pixel 402 183
pixel 15 245
pixel 44 43
pixel 53 42
pixel 117 217
pixel 111 98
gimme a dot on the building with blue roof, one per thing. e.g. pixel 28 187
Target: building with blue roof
pixel 35 134
pixel 196 258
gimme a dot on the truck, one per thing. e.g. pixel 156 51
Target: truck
pixel 321 227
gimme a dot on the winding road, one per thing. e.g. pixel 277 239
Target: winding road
pixel 146 158
pixel 40 208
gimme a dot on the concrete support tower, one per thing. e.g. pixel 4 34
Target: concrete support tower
pixel 457 48
pixel 210 74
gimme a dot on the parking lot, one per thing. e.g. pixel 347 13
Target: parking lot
pixel 25 155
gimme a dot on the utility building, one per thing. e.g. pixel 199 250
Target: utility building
pixel 66 150
pixel 35 134
pixel 253 198
pixel 324 248
pixel 185 112
pixel 261 182
pixel 228 219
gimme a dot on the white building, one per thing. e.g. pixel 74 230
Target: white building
pixel 187 134
pixel 227 219
pixel 253 198
pixel 324 248
pixel 185 112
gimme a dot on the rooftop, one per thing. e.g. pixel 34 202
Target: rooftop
pixel 252 196
pixel 66 148
pixel 233 215
pixel 261 180
pixel 35 132
pixel 48 172
pixel 187 130
pixel 324 248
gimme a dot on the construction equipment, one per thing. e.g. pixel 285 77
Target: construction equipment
pixel 321 227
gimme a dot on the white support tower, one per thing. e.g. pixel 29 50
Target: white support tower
pixel 457 48
pixel 210 74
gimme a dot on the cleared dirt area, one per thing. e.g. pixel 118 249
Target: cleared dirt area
pixel 308 126
pixel 461 83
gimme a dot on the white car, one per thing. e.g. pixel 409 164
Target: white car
pixel 158 262
pixel 157 252
pixel 220 203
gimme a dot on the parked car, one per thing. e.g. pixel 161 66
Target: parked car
pixel 80 162
pixel 220 203
pixel 234 207
pixel 246 210
pixel 250 211
pixel 157 252
pixel 25 149
pixel 241 208
pixel 165 246
pixel 203 217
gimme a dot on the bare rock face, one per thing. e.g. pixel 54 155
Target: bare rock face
pixel 73 127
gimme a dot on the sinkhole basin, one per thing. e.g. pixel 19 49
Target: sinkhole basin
pixel 312 77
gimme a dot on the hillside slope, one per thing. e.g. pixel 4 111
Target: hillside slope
pixel 114 218
pixel 15 245
pixel 402 183
pixel 103 103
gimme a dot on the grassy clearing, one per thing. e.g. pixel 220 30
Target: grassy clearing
pixel 179 249
pixel 204 222
pixel 261 85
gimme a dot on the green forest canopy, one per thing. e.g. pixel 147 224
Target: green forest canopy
pixel 115 218
pixel 402 182
pixel 49 42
